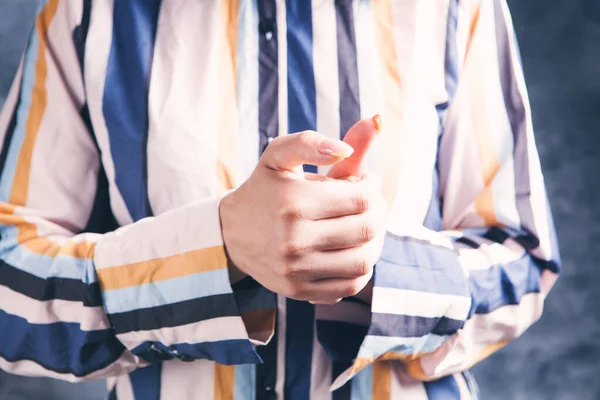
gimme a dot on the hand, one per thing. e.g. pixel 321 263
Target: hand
pixel 305 239
pixel 361 136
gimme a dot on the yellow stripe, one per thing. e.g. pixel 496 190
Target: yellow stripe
pixel 224 381
pixel 484 204
pixel 228 119
pixel 192 262
pixel 27 235
pixel 415 369
pixel 39 98
pixel 382 380
pixel 391 85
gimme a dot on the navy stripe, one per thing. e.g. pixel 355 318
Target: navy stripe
pixel 443 389
pixel 412 326
pixel 125 102
pixel 226 352
pixel 345 392
pixel 347 66
pixel 266 373
pixel 433 218
pixel 513 102
pixel 468 242
pixel 61 347
pixel 175 314
pixel 80 33
pixel 145 382
pixel 300 320
pixel 412 264
pixel 11 128
pixel 268 74
pixel 503 285
pixel 496 234
pixel 113 394
pixel 51 288
pixel 341 340
pixel 302 103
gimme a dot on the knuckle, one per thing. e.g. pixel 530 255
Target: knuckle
pixel 294 290
pixel 305 137
pixel 352 288
pixel 360 203
pixel 367 232
pixel 293 249
pixel 363 267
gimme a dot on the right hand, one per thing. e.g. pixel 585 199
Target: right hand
pixel 305 239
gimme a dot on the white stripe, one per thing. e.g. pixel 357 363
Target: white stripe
pixel 463 389
pixel 211 330
pixel 320 370
pixel 182 230
pixel 193 380
pixel 99 39
pixel 369 83
pixel 282 58
pixel 183 105
pixel 405 387
pixel 281 332
pixel 325 67
pixel 125 388
pixel 247 84
pixel 125 364
pixel 52 311
pixel 482 330
pixel 420 304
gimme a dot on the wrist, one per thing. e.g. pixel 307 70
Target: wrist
pixel 226 206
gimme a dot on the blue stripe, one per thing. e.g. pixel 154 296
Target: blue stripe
pixel 244 382
pixel 227 352
pixel 8 173
pixel 412 264
pixel 300 316
pixel 60 347
pixel 362 384
pixel 145 382
pixel 443 389
pixel 40 265
pixel 125 102
pixel 302 103
pixel 374 346
pixel 169 291
pixel 341 340
pixel 502 285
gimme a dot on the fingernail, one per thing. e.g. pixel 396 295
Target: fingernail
pixel 335 148
pixel 377 122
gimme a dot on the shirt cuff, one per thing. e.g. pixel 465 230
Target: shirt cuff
pixel 165 287
pixel 420 298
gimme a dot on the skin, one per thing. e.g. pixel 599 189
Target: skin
pixel 306 236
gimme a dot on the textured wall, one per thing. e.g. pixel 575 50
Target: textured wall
pixel 558 357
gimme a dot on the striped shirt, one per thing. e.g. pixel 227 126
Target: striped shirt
pixel 127 122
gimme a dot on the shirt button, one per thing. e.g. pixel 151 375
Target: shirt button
pixel 270 139
pixel 268 389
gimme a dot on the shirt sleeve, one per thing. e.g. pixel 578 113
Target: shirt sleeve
pixel 444 300
pixel 79 306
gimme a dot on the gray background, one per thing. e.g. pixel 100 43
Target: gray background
pixel 558 358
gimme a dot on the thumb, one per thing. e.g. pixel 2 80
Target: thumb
pixel 290 152
pixel 361 136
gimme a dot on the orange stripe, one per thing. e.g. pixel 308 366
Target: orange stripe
pixel 192 262
pixel 39 98
pixel 382 380
pixel 224 381
pixel 484 204
pixel 27 235
pixel 228 122
pixel 415 369
pixel 393 96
